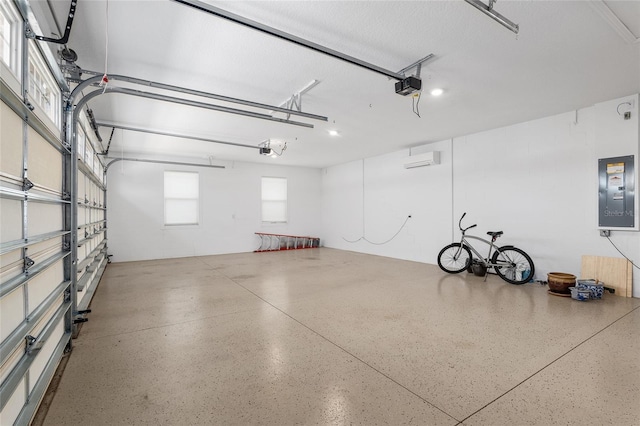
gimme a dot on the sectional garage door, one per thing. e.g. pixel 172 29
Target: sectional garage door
pixel 35 285
pixel 53 247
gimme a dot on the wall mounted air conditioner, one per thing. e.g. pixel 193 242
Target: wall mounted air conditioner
pixel 419 160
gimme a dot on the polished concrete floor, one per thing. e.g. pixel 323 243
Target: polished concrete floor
pixel 321 336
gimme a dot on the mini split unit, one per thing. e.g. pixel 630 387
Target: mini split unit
pixel 420 160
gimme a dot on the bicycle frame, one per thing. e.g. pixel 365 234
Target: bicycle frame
pixel 464 241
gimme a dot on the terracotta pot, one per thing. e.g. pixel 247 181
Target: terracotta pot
pixel 559 282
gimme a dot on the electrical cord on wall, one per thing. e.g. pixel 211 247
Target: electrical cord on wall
pixel 623 255
pixel 363 238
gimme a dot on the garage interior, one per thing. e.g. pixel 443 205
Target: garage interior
pixel 232 212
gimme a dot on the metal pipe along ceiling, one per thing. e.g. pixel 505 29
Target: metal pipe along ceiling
pixel 488 10
pixel 96 79
pixel 208 95
pixel 204 7
pixel 197 104
pixel 178 163
pixel 174 135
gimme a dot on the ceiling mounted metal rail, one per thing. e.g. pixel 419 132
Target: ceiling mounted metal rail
pixel 197 104
pixel 173 135
pixel 204 7
pixel 207 95
pixel 488 10
pixel 177 163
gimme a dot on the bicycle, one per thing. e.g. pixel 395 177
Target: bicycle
pixel 510 263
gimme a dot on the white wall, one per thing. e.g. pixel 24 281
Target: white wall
pixel 536 181
pixel 374 196
pixel 230 210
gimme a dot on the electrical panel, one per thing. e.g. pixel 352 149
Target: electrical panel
pixel 616 195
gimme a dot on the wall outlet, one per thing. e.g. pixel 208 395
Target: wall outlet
pixel 605 232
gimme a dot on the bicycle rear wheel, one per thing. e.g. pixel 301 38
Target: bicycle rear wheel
pixel 513 265
pixel 454 258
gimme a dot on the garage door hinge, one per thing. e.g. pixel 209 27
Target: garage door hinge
pixel 66 246
pixel 28 104
pixel 33 344
pixel 26 184
pixel 28 263
pixel 66 196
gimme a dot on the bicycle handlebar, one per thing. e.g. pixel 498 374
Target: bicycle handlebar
pixel 460 223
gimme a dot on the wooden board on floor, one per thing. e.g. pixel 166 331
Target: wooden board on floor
pixel 614 272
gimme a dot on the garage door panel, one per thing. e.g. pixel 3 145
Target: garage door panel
pixel 44 283
pixel 14 405
pixel 12 269
pixel 82 187
pixel 10 141
pixel 10 258
pixel 82 215
pixel 40 362
pixel 82 252
pixel 11 223
pixel 12 360
pixel 11 312
pixel 44 218
pixel 45 162
pixel 45 248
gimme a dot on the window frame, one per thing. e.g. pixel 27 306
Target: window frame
pixel 43 86
pixel 284 200
pixel 13 19
pixel 196 199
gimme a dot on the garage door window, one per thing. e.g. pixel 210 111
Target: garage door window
pixel 42 87
pixel 9 36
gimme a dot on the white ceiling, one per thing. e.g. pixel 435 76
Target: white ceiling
pixel 567 56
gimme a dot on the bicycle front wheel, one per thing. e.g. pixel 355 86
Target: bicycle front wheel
pixel 454 258
pixel 513 265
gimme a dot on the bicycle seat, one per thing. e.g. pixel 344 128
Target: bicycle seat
pixel 495 234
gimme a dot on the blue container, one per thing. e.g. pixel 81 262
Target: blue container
pixel 580 294
pixel 595 287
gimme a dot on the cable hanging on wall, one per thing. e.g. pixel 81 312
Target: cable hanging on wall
pixel 363 238
pixel 623 255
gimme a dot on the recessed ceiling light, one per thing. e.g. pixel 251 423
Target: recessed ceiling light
pixel 437 92
pixel 333 132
